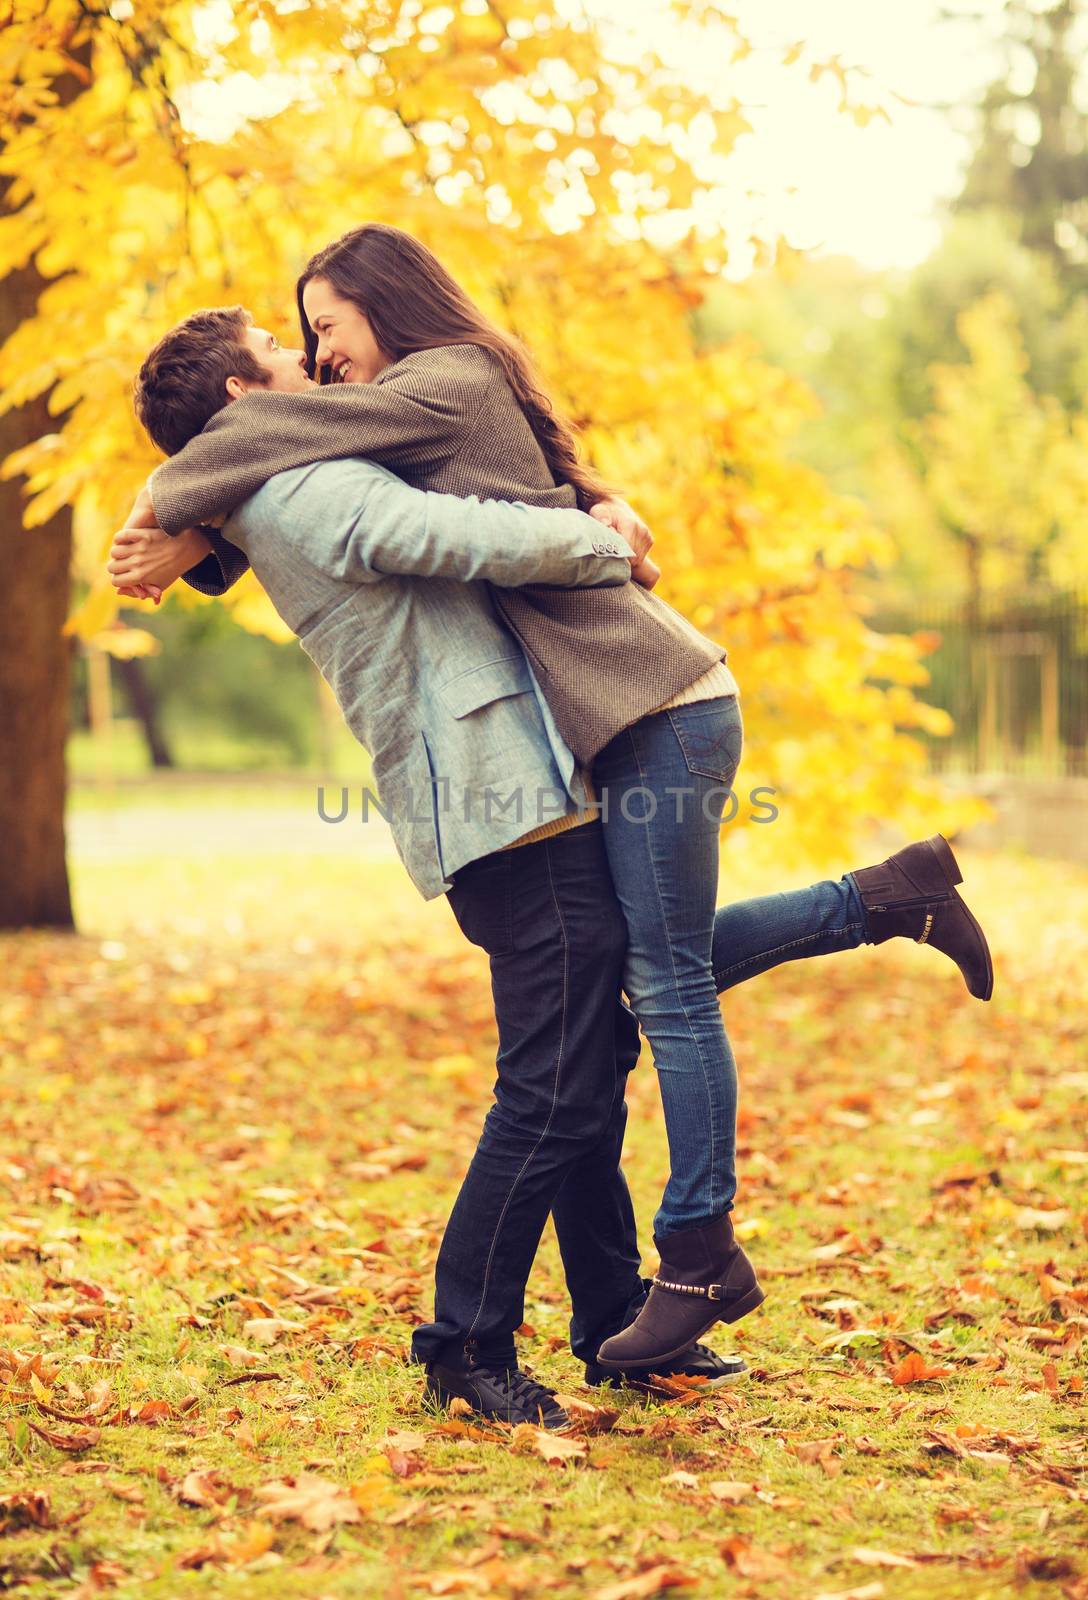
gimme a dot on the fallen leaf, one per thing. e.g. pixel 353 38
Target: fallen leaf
pixel 586 1418
pixel 848 1245
pixel 655 1580
pixel 75 1442
pixel 880 1558
pixel 100 1575
pixel 866 1591
pixel 200 1489
pixel 820 1452
pixel 255 1541
pixel 310 1499
pixel 266 1330
pixel 458 1580
pixel 1041 1221
pixel 748 1561
pixel 204 1555
pixel 26 1508
pixel 239 1357
pixel 130 1492
pixel 914 1368
pixel 556 1448
pixel 154 1411
pixel 405 1441
pixel 682 1480
pixel 731 1494
pixel 1042 1567
pixel 949 1514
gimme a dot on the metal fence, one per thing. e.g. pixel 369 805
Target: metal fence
pixel 1014 678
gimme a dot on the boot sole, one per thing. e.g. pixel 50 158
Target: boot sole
pixel 740 1308
pixel 649 1383
pixel 951 869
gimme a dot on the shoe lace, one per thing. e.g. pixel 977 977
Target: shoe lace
pixel 520 1387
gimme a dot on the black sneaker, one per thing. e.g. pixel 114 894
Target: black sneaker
pixel 502 1394
pixel 698 1362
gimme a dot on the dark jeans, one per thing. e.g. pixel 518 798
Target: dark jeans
pixel 548 917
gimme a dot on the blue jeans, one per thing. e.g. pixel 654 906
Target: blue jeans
pixel 663 785
pixel 550 920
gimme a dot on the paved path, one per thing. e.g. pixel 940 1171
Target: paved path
pixel 280 826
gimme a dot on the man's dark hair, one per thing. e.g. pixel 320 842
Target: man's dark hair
pixel 183 382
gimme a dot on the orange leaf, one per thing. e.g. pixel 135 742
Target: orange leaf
pixel 750 1562
pixel 914 1368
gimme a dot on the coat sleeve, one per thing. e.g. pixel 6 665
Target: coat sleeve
pixel 357 523
pixel 221 567
pixel 418 418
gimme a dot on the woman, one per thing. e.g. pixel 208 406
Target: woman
pixel 421 381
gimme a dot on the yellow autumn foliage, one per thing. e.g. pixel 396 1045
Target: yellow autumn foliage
pixel 212 148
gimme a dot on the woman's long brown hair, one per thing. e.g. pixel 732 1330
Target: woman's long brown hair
pixel 412 303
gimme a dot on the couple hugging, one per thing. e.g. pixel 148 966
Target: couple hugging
pixel 419 520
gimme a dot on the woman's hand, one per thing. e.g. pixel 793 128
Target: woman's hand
pixel 618 515
pixel 142 515
pixel 144 561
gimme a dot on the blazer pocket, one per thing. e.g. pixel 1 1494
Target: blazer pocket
pixel 493 680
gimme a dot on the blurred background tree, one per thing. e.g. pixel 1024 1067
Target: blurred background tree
pixel 1031 158
pixel 876 346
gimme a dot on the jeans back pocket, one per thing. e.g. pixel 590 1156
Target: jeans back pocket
pixel 710 734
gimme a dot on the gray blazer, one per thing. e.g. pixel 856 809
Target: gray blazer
pixel 387 589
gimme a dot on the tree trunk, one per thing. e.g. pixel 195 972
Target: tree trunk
pixel 142 700
pixel 972 546
pixel 35 656
pixel 35 672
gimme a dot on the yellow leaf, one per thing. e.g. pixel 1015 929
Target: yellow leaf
pixel 125 643
pixel 98 610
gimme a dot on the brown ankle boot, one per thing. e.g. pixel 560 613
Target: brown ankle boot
pixel 705 1277
pixel 912 895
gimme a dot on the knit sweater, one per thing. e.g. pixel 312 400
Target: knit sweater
pixel 447 419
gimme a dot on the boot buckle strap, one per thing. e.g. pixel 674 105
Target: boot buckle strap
pixel 924 935
pixel 712 1291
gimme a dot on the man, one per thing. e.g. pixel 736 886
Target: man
pixel 383 586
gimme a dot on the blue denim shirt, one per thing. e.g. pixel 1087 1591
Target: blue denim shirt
pixel 386 588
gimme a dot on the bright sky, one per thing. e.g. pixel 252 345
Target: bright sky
pixel 873 193
pixel 807 171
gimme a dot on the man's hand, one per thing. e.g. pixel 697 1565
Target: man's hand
pixel 144 561
pixel 617 514
pixel 646 572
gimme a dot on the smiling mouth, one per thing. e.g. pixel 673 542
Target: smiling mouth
pixel 341 371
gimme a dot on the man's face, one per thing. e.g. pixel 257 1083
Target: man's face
pixel 288 367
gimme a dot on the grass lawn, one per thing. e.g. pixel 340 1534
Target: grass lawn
pixel 235 1110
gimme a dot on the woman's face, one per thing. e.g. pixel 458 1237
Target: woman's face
pixel 344 338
